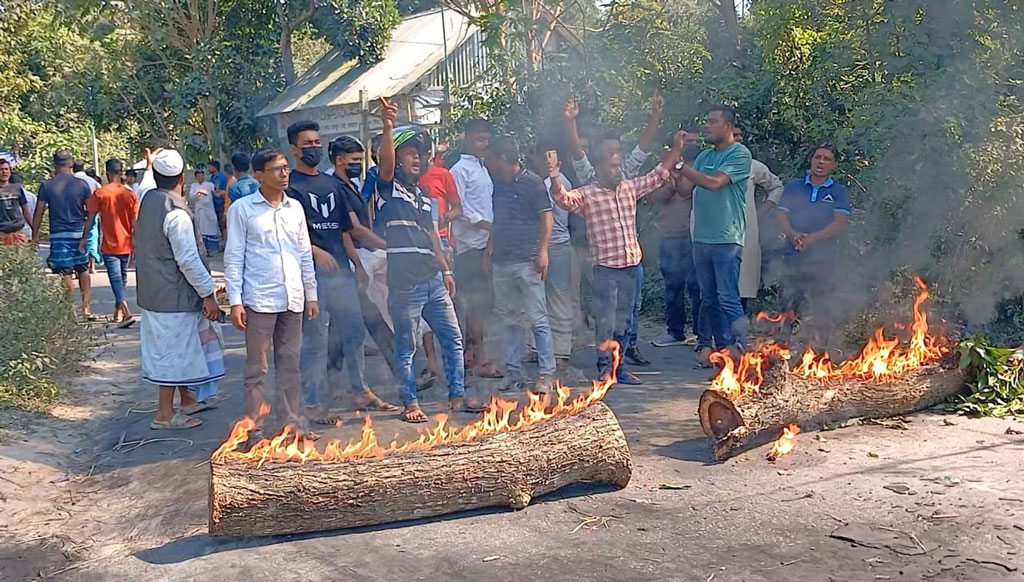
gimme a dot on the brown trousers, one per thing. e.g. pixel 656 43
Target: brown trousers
pixel 283 332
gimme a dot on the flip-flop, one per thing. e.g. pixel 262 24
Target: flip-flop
pixel 413 408
pixel 486 371
pixel 125 324
pixel 328 418
pixel 375 404
pixel 468 405
pixel 199 407
pixel 178 422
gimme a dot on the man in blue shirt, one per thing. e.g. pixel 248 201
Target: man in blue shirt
pixel 812 212
pixel 517 258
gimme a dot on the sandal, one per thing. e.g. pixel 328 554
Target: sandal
pixel 465 404
pixel 486 370
pixel 180 420
pixel 413 414
pixel 327 418
pixel 370 401
pixel 199 407
pixel 126 323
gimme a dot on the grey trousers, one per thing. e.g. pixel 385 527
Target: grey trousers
pixel 282 332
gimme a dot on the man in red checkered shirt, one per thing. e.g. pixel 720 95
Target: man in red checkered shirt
pixel 609 208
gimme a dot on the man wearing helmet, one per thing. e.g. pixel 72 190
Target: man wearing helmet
pixel 420 283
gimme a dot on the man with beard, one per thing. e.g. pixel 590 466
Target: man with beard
pixel 719 226
pixel 609 207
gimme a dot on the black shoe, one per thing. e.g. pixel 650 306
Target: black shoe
pixel 633 356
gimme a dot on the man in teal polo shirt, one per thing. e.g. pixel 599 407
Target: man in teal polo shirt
pixel 719 226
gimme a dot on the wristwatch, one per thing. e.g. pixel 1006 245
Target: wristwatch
pixel 448 273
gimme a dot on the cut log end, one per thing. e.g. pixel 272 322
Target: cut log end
pixel 734 426
pixel 500 470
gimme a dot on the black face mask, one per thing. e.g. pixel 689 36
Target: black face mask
pixel 311 155
pixel 353 169
pixel 690 151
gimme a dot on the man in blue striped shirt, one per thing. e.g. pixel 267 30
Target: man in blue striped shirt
pixel 420 283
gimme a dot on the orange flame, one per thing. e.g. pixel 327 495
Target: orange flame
pixel 291 445
pixel 780 318
pixel 881 360
pixel 785 444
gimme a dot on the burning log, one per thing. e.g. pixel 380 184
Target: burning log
pixel 753 419
pixel 502 469
pixel 752 399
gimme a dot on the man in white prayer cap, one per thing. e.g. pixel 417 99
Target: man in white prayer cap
pixel 181 343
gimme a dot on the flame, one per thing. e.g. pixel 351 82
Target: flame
pixel 780 318
pixel 882 359
pixel 292 445
pixel 785 444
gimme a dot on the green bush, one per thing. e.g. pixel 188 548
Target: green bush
pixel 997 379
pixel 38 331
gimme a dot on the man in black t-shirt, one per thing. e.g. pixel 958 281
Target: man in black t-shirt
pixel 346 154
pixel 517 256
pixel 420 283
pixel 330 225
pixel 14 213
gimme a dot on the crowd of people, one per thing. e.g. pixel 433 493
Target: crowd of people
pixel 409 252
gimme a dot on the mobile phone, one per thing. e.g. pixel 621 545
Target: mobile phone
pixel 553 163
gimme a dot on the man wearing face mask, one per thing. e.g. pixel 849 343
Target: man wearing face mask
pixel 331 229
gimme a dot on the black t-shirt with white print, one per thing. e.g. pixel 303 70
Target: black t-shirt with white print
pixel 326 209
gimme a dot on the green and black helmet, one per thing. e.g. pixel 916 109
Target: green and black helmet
pixel 413 134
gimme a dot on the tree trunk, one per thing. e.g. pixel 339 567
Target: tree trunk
pixel 506 469
pixel 287 60
pixel 730 22
pixel 784 399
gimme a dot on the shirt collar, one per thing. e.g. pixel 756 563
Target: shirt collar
pixel 471 157
pixel 828 182
pixel 259 197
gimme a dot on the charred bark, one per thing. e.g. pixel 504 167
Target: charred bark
pixel 501 470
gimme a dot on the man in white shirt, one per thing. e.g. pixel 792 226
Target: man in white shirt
pixel 181 347
pixel 472 231
pixel 268 268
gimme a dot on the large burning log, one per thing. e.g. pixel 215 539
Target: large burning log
pixel 752 419
pixel 505 469
pixel 754 398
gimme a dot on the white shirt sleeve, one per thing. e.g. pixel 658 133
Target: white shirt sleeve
pixel 470 212
pixel 234 253
pixel 584 170
pixel 634 161
pixel 763 177
pixel 147 183
pixel 181 234
pixel 306 261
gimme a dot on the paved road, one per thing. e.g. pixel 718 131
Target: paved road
pixel 141 514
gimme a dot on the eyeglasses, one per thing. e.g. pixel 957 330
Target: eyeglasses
pixel 282 169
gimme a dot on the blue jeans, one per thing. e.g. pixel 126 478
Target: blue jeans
pixel 429 300
pixel 676 258
pixel 117 272
pixel 718 274
pixel 519 299
pixel 634 318
pixel 615 296
pixel 339 307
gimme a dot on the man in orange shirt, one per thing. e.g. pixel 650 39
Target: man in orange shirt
pixel 117 207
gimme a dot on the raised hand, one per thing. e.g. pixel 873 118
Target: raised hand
pixel 388 113
pixel 572 108
pixel 151 155
pixel 657 104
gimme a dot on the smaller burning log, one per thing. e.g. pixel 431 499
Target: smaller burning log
pixel 752 399
pixel 784 399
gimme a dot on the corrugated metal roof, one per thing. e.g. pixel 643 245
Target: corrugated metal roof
pixel 416 47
